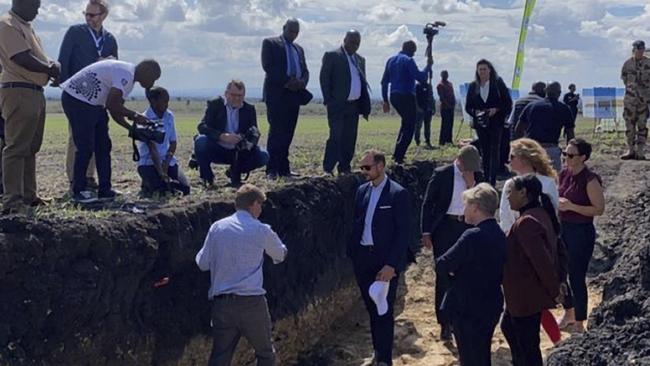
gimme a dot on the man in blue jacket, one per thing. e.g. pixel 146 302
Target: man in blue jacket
pixel 401 73
pixel 85 44
pixel 474 300
pixel 379 243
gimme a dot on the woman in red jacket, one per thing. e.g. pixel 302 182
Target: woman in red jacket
pixel 531 280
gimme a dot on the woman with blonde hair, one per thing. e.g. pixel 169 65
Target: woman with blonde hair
pixel 527 156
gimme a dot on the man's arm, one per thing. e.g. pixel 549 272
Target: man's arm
pixel 305 68
pixel 65 54
pixel 523 123
pixel 385 80
pixel 274 76
pixel 208 125
pixel 421 76
pixel 204 256
pixel 27 60
pixel 429 205
pixel 273 246
pixel 459 254
pixel 119 112
pixel 325 77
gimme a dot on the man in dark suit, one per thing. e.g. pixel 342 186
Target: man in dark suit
pixel 221 139
pixel 378 245
pixel 442 216
pixel 345 93
pixel 284 92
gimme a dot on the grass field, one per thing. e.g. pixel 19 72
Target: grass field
pixel 306 152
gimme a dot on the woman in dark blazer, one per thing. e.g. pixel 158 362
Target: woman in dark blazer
pixel 489 103
pixel 531 276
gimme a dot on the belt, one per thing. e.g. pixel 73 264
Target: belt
pixel 456 217
pixel 21 85
pixel 225 296
pixel 368 248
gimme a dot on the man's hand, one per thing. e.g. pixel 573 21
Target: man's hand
pixel 493 111
pixel 386 274
pixel 139 119
pixel 230 138
pixel 56 82
pixel 54 70
pixel 426 241
pixel 386 107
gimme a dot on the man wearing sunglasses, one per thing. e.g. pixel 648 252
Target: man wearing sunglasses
pixel 379 244
pixel 636 77
pixel 85 44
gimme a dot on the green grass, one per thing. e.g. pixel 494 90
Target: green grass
pixel 306 155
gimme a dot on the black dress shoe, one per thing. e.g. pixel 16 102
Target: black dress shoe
pixel 445 333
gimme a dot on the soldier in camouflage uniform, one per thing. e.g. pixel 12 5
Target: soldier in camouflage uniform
pixel 636 77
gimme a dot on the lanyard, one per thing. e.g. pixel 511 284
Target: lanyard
pixel 99 41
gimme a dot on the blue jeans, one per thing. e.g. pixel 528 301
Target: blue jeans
pixel 208 151
pixel 90 135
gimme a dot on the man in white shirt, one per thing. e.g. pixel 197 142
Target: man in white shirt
pixel 442 216
pixel 87 96
pixel 233 252
pixel 345 93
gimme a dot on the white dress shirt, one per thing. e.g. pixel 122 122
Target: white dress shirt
pixel 233 252
pixel 457 207
pixel 232 124
pixel 508 216
pixel 375 193
pixel 485 91
pixel 355 78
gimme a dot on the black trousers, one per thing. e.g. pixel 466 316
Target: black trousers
pixel 405 106
pixel 237 316
pixel 423 118
pixel 366 266
pixel 580 240
pixel 444 237
pixel 522 335
pixel 446 126
pixel 489 140
pixel 474 338
pixel 152 183
pixel 282 113
pixel 343 121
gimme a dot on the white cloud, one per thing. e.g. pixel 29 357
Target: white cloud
pixel 382 12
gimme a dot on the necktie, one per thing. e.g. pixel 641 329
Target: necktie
pixel 291 60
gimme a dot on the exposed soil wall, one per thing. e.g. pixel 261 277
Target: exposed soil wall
pixel 81 292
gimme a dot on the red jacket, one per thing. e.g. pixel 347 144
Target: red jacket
pixel 530 276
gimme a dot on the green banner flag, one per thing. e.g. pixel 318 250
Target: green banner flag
pixel 523 33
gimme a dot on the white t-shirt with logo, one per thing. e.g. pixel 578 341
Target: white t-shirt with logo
pixel 93 83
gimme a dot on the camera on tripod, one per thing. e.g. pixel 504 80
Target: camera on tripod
pixel 432 29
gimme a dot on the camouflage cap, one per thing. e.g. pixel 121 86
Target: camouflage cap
pixel 638 44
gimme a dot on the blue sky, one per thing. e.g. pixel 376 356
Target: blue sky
pixel 201 44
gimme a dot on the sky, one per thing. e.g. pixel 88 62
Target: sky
pixel 202 44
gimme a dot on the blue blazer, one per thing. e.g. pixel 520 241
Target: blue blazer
pixel 391 224
pixel 476 261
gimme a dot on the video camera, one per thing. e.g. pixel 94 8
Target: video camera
pixel 249 139
pixel 149 132
pixel 432 29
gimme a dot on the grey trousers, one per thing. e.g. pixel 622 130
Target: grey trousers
pixel 237 316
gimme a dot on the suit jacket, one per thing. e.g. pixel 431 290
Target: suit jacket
pixel 215 120
pixel 476 261
pixel 391 224
pixel 499 97
pixel 274 63
pixel 531 274
pixel 335 80
pixel 438 197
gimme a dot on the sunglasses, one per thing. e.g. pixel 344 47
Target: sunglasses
pixel 366 168
pixel 569 156
pixel 92 15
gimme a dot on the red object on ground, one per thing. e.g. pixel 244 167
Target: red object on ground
pixel 161 282
pixel 550 326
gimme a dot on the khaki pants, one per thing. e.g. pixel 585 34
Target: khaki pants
pixel 24 113
pixel 636 115
pixel 69 159
pixel 2 146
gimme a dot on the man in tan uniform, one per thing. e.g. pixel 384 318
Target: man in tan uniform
pixel 26 70
pixel 636 77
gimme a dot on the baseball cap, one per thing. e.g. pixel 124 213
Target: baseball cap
pixel 638 44
pixel 471 158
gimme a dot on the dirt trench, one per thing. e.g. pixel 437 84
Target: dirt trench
pixel 417 333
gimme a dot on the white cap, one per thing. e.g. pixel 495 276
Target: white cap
pixel 378 292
